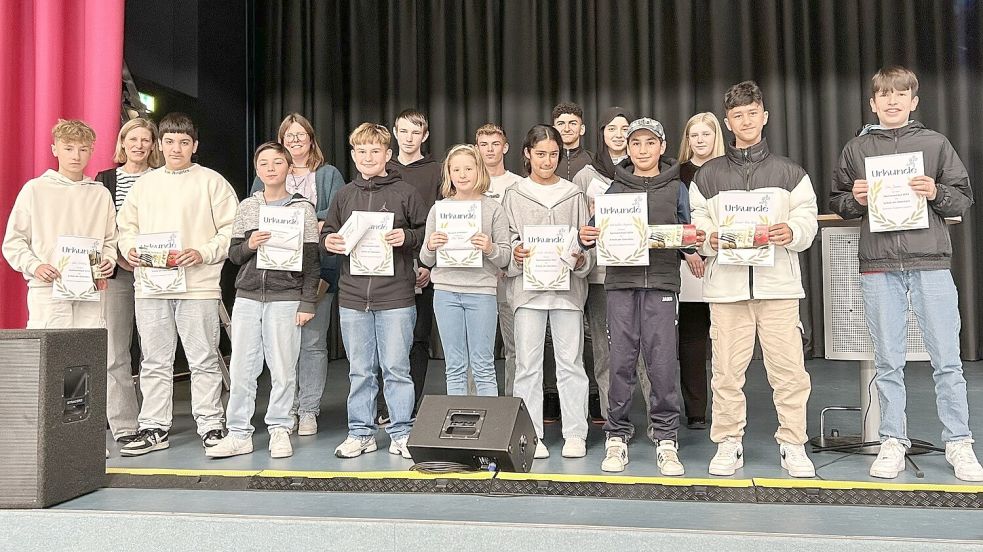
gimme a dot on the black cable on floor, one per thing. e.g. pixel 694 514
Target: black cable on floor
pixel 442 467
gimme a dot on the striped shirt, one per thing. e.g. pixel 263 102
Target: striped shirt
pixel 124 181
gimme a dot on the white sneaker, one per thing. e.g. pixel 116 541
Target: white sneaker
pixel 355 446
pixel 960 454
pixel 890 460
pixel 667 458
pixel 307 424
pixel 230 445
pixel 541 451
pixel 615 455
pixel 280 446
pixel 729 457
pixel 795 461
pixel 398 446
pixel 574 447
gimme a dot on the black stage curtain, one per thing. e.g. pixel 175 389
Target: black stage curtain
pixel 509 61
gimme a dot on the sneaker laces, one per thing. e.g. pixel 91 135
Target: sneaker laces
pixel 615 449
pixel 668 453
pixel 728 449
pixel 962 451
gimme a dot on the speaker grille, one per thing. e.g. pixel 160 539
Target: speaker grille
pixel 846 332
pixel 19 419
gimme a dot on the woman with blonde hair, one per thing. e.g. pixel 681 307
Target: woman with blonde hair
pixel 316 180
pixel 137 152
pixel 466 298
pixel 702 141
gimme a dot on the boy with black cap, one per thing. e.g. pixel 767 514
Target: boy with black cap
pixel 642 305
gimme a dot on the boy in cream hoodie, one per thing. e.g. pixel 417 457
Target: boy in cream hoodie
pixel 199 205
pixel 60 203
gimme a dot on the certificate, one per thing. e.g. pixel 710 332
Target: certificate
pixel 672 236
pixel 595 188
pixel 624 233
pixel 76 258
pixel 284 250
pixel 543 270
pixel 353 230
pixel 158 272
pixel 748 209
pixel 372 255
pixel 460 220
pixel 891 203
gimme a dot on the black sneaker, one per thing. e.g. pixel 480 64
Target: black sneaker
pixel 594 409
pixel 551 408
pixel 148 440
pixel 696 423
pixel 212 438
pixel 126 439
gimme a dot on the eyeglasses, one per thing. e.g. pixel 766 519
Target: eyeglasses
pixel 295 136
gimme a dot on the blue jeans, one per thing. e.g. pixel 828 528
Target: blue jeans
pixel 467 323
pixel 262 330
pixel 312 368
pixel 934 301
pixel 374 341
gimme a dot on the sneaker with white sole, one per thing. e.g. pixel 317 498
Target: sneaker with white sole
pixel 962 458
pixel 280 446
pixel 729 457
pixel 398 446
pixel 307 424
pixel 212 437
pixel 615 455
pixel 230 446
pixel 149 440
pixel 667 458
pixel 795 461
pixel 890 460
pixel 355 446
pixel 541 450
pixel 574 447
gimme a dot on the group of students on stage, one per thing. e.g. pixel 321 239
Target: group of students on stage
pixel 381 245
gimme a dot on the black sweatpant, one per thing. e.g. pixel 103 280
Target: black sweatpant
pixel 694 331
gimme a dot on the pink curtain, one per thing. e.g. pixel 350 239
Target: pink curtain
pixel 58 59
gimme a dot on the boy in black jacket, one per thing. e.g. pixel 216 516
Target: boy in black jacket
pixel 378 313
pixel 642 305
pixel 903 264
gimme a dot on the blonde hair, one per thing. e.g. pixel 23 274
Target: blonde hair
pixel 709 119
pixel 370 133
pixel 155 158
pixel 315 158
pixel 893 77
pixel 447 189
pixel 490 129
pixel 73 130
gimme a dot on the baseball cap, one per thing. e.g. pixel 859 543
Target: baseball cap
pixel 651 125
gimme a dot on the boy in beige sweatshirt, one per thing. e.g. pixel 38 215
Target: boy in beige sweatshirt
pixel 198 206
pixel 57 204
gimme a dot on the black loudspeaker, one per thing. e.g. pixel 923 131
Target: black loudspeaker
pixel 475 431
pixel 52 415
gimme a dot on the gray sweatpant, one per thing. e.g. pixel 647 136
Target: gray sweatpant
pixel 643 321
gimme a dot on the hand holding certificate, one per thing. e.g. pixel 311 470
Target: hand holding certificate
pixel 459 220
pixel 891 203
pixel 372 255
pixel 158 271
pixel 76 258
pixel 543 269
pixel 622 220
pixel 744 218
pixel 284 249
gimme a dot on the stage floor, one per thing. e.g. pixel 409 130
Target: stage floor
pixel 842 479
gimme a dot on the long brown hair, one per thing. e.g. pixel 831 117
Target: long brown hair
pixel 315 158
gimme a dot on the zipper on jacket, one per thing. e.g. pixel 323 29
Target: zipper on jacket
pixel 897 236
pixel 368 286
pixel 568 164
pixel 747 187
pixel 262 287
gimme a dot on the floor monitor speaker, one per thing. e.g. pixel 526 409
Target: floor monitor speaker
pixel 475 431
pixel 52 415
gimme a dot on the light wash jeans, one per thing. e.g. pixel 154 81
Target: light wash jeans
pixel 160 322
pixel 121 394
pixel 262 331
pixel 571 379
pixel 374 341
pixel 312 367
pixel 935 304
pixel 467 323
